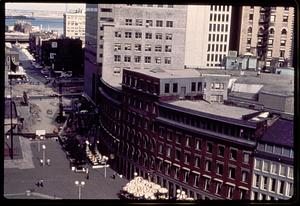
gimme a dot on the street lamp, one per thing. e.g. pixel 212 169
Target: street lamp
pixel 105 165
pixel 79 184
pixel 40 138
pixel 181 194
pixel 44 150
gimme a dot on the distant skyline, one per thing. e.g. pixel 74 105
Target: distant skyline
pixel 44 6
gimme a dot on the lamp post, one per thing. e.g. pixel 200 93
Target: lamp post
pixel 44 151
pixel 40 138
pixel 79 185
pixel 181 194
pixel 105 165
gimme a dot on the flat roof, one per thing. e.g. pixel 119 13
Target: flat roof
pixel 172 73
pixel 214 108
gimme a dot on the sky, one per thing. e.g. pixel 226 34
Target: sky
pixel 43 6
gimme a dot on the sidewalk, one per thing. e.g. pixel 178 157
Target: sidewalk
pixel 59 180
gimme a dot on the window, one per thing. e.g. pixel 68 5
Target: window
pixel 280 186
pixel 291 172
pixel 178 138
pixel 283 32
pixel 272 31
pixel 218 188
pixel 168 48
pixel 187 158
pixel 258 164
pixel 127 47
pixel 198 144
pixel 159 23
pixel 282 170
pixel 127 59
pixel 158 60
pixel 207 165
pixel 265 182
pixel 160 148
pixel 290 189
pixel 148 47
pixel 244 176
pixel 196 180
pixel 118 34
pixel 221 150
pixel 139 22
pixel 256 180
pixel 138 35
pixel 158 48
pixel 117 58
pixel 206 184
pixel 266 166
pixel 274 168
pixel 186 176
pixel 128 21
pixel 177 154
pixel 167 88
pixel 246 157
pixel 285 19
pixel 270 42
pixel 106 10
pixel 233 154
pixel 168 152
pixel 193 86
pixel 209 147
pixel 137 47
pixel 168 36
pixel 167 60
pixel 127 34
pixel 158 36
pixel 117 47
pixel 169 24
pixel 250 16
pixel 220 168
pixel 175 87
pixel 199 86
pixel 249 30
pixel 149 23
pixel 230 192
pixel 282 42
pixel 232 172
pixel 248 40
pixel 197 162
pixel 148 36
pixel 137 59
pixel 147 59
pixel 269 53
pixel 272 184
pixel 272 18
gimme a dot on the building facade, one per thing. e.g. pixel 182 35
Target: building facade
pixel 134 36
pixel 207 35
pixel 268 33
pixel 273 171
pixel 205 149
pixel 74 25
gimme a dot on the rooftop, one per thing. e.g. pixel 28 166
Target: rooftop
pixel 215 109
pixel 280 132
pixel 173 73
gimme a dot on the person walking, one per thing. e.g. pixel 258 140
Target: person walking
pixel 87 173
pixel 38 183
pixel 42 183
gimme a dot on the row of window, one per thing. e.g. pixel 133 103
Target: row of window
pixel 272 18
pixel 218 27
pixel 274 168
pixel 147 86
pixel 206 124
pixel 219 8
pixel 149 23
pixel 215 57
pixel 219 17
pixel 138 47
pixel 148 35
pixel 273 185
pixel 217 47
pixel 215 37
pixel 271 31
pixel 154 5
pixel 147 59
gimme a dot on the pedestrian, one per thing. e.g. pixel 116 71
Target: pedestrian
pixel 42 183
pixel 87 173
pixel 38 183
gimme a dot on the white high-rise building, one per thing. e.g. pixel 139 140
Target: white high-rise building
pixel 207 35
pixel 74 25
pixel 132 36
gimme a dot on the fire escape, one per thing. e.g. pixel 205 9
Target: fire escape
pixel 263 34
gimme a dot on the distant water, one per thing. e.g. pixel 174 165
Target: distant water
pixel 51 23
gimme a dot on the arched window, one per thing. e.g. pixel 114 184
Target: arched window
pixel 271 31
pixel 261 30
pixel 249 30
pixel 283 32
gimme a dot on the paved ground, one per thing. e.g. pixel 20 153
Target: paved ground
pixel 58 177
